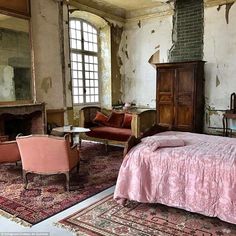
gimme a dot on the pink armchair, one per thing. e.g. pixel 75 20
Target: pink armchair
pixel 43 154
pixel 9 152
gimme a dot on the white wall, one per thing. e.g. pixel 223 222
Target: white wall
pixel 220 57
pixel 137 46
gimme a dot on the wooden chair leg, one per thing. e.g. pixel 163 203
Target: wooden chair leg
pixel 25 179
pixel 77 167
pixel 67 181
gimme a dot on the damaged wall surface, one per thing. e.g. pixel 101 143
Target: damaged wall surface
pixel 45 35
pixel 220 68
pixel 140 40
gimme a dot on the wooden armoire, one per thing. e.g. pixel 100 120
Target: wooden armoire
pixel 180 95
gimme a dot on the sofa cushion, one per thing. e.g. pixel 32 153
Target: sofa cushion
pixel 100 119
pixel 111 133
pixel 115 119
pixel 127 121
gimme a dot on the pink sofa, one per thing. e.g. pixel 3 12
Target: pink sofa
pixel 43 154
pixel 9 152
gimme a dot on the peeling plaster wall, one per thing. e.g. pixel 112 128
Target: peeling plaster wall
pixel 45 36
pixel 220 68
pixel 140 40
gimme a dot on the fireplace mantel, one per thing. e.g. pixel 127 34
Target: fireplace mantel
pixel 33 113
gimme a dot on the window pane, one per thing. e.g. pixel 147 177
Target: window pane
pixel 81 99
pixel 75 91
pixel 86 67
pixel 87 98
pixel 78 34
pixel 95 83
pixel 86 36
pixel 77 24
pixel 76 100
pixel 78 44
pixel 95 60
pixel 80 75
pixel 96 98
pixel 87 83
pixel 74 74
pixel 91 75
pixel 95 47
pixel 95 90
pixel 86 46
pixel 90 37
pixel 75 82
pixel 87 75
pixel 73 35
pixel 94 38
pixel 80 91
pixel 73 43
pixel 73 57
pixel 92 99
pixel 95 75
pixel 90 28
pixel 72 24
pixel 74 66
pixel 80 83
pixel 85 26
pixel 86 58
pixel 80 66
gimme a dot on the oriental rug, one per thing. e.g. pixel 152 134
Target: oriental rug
pixel 106 217
pixel 46 195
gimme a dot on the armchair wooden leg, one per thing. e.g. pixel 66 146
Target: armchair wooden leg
pixel 25 179
pixel 77 167
pixel 67 181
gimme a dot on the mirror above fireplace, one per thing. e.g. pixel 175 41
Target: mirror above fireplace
pixel 15 59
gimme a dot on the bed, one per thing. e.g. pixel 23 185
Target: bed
pixel 199 176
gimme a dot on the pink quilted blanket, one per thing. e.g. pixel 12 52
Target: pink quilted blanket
pixel 199 176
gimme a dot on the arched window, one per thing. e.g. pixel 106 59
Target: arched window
pixel 84 62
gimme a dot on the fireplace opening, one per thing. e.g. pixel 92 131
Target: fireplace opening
pixel 26 124
pixel 14 125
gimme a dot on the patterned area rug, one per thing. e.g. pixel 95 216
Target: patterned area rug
pixel 106 217
pixel 46 195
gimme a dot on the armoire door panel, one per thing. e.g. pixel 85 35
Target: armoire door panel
pixel 185 80
pixel 184 116
pixel 165 81
pixel 166 114
pixel 163 97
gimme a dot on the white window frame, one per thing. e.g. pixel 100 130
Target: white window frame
pixel 85 86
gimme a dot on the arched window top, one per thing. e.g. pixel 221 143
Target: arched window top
pixel 83 35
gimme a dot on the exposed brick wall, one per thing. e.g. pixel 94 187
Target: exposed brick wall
pixel 188 27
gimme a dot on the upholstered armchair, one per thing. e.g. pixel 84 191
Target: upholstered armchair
pixel 9 152
pixel 44 154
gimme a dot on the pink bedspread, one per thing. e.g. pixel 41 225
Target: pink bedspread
pixel 198 177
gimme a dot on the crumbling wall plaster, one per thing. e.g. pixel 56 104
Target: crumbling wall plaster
pixel 220 69
pixel 45 37
pixel 140 40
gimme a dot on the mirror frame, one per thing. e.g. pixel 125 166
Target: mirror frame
pixel 21 9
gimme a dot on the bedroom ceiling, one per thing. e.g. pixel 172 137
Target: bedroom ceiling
pixel 128 9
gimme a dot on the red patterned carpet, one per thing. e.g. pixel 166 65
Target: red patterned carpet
pixel 46 195
pixel 108 218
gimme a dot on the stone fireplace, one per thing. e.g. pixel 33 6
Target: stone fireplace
pixel 22 118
